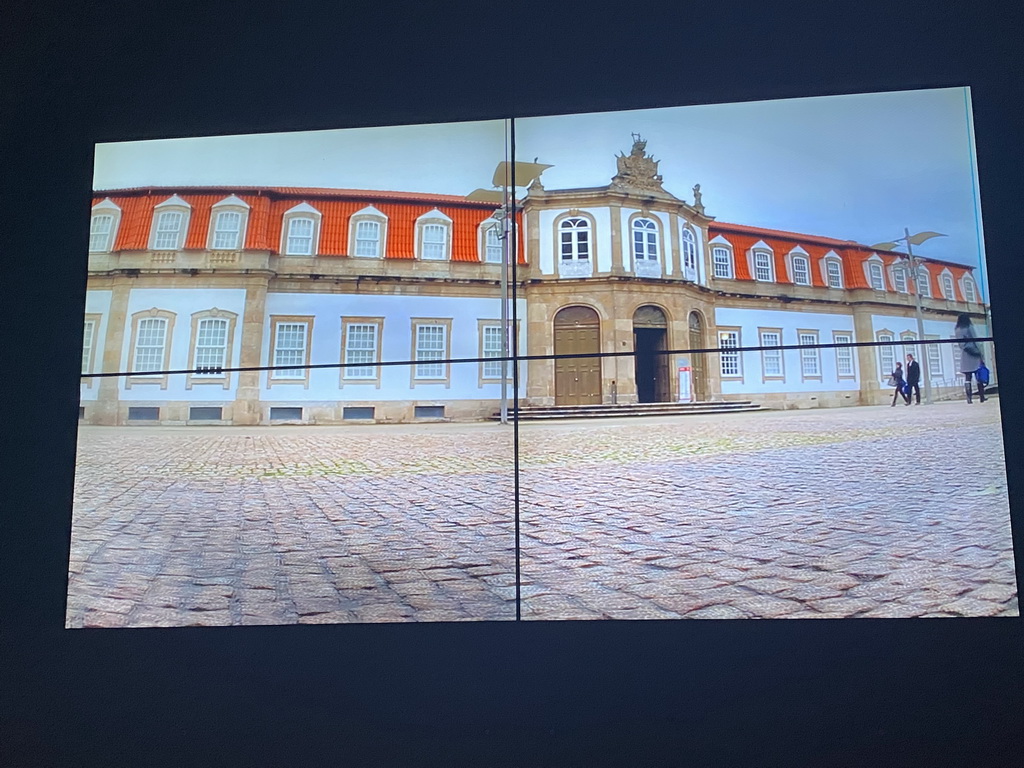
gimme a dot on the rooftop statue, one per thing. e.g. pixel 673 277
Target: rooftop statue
pixel 637 170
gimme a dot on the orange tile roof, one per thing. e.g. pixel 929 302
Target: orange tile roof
pixel 852 254
pixel 267 206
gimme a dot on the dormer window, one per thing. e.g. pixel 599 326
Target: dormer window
pixel 170 223
pixel 103 227
pixel 924 283
pixel 970 291
pixel 721 258
pixel 801 270
pixel 301 231
pixel 433 238
pixel 833 273
pixel 947 286
pixel 875 276
pixel 763 267
pixel 899 278
pixel 492 243
pixel 368 233
pixel 228 220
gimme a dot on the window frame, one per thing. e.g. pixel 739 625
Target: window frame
pixel 89 365
pixel 434 218
pixel 414 378
pixel 805 259
pixel 133 379
pixel 729 262
pixel 688 250
pixel 222 379
pixel 900 279
pixel 946 281
pixel 274 378
pixel 765 375
pixel 974 297
pixel 845 337
pixel 770 256
pixel 487 227
pixel 179 231
pixel 721 332
pixel 827 265
pixel 368 215
pixel 815 353
pixel 344 379
pixel 930 350
pixel 650 238
pixel 105 207
pixel 229 205
pixel 589 228
pixel 482 324
pixel 925 284
pixel 885 348
pixel 872 267
pixel 297 212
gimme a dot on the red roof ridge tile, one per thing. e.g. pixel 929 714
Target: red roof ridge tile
pixel 299 191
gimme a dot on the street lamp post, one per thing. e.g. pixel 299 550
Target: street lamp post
pixel 508 176
pixel 912 265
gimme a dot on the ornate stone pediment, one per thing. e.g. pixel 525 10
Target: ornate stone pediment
pixel 637 170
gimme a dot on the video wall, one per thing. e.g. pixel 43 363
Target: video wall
pixel 726 361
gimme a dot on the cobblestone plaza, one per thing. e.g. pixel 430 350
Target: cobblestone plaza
pixel 827 513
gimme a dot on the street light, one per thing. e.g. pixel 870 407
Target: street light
pixel 507 177
pixel 910 263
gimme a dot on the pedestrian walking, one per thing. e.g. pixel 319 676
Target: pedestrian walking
pixel 896 380
pixel 971 356
pixel 913 379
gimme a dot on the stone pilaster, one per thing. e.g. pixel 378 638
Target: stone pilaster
pixel 867 357
pixel 105 411
pixel 246 407
pixel 615 220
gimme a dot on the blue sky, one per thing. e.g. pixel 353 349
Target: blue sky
pixel 858 167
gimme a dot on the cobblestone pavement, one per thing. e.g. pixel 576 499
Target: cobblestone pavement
pixel 827 513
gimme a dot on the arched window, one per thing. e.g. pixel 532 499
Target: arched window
pixel 645 240
pixel 574 239
pixel 689 254
pixel 801 270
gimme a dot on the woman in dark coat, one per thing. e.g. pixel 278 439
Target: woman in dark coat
pixel 897 376
pixel 971 357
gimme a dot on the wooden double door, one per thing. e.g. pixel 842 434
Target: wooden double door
pixel 577 331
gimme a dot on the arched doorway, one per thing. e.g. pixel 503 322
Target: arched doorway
pixel 651 369
pixel 698 363
pixel 577 379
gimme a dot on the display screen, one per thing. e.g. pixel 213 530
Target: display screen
pixel 723 361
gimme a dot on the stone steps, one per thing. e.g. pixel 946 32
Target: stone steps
pixel 621 410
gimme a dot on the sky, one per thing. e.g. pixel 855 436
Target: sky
pixel 860 167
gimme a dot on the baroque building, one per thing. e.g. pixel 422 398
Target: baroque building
pixel 199 280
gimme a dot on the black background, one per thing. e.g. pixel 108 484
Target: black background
pixel 722 693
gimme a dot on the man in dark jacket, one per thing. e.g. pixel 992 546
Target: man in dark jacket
pixel 913 379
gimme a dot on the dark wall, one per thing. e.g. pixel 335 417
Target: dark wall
pixel 857 692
